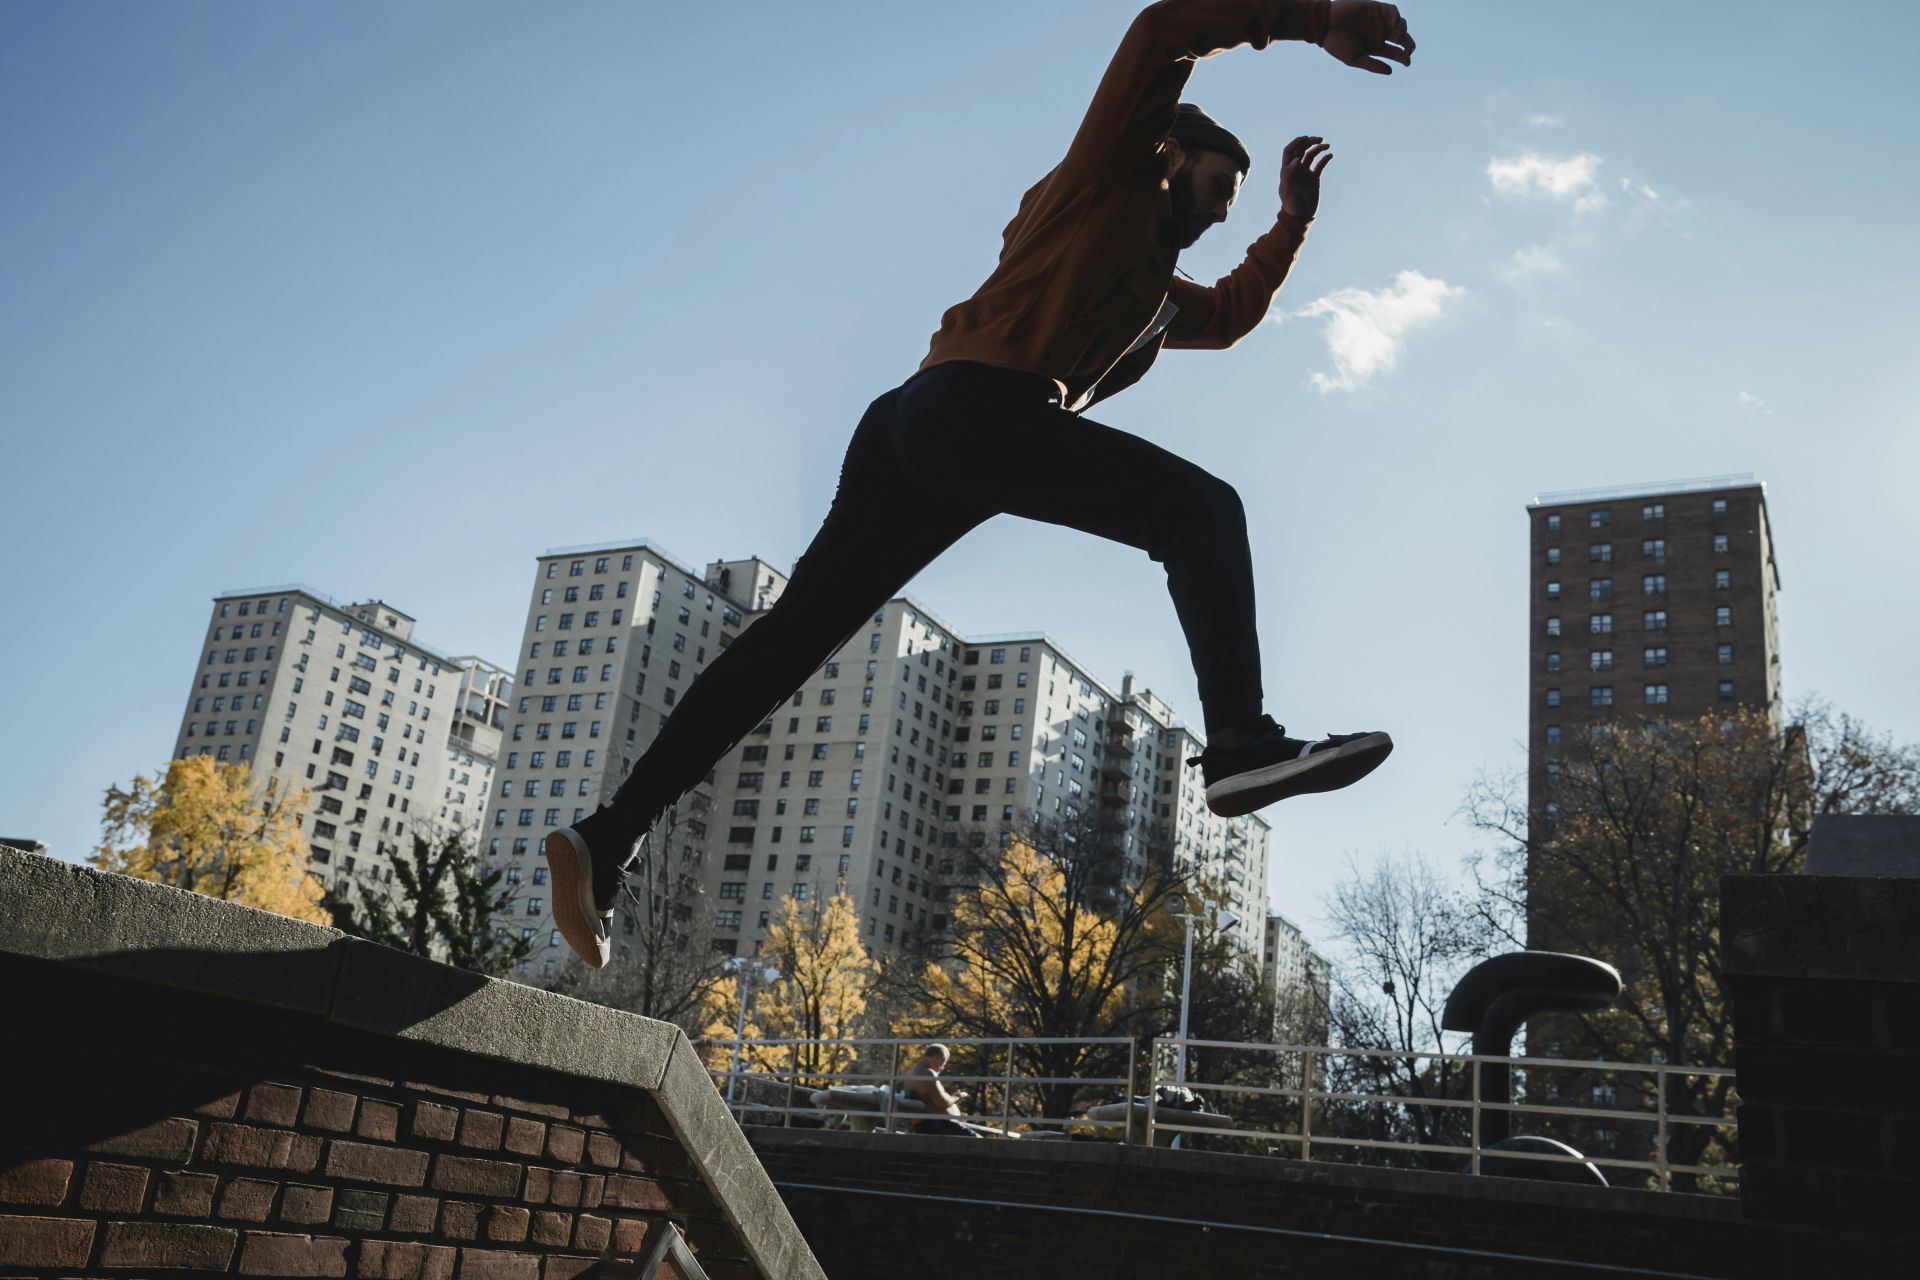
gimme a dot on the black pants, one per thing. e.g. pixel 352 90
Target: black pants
pixel 906 495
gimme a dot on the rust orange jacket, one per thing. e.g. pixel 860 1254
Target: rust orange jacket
pixel 1088 260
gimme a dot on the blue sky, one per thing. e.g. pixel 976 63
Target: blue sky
pixel 303 292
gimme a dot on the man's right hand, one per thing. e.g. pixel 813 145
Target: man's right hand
pixel 1357 30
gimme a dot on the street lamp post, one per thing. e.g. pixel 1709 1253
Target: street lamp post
pixel 1222 918
pixel 746 969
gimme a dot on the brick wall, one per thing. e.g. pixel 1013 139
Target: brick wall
pixel 884 1205
pixel 1824 977
pixel 150 1129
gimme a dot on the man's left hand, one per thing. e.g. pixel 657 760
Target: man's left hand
pixel 1301 165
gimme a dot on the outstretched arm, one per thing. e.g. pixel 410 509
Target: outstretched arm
pixel 1218 317
pixel 1133 107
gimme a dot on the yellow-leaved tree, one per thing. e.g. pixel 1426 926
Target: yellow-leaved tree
pixel 822 989
pixel 1047 943
pixel 820 993
pixel 208 828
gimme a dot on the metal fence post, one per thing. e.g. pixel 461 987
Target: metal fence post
pixel 1133 1047
pixel 1660 1134
pixel 1153 1090
pixel 1006 1092
pixel 793 1074
pixel 1306 1105
pixel 1476 1117
pixel 893 1067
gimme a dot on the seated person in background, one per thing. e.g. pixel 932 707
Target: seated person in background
pixel 923 1083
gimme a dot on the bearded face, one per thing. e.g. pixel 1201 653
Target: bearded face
pixel 1202 187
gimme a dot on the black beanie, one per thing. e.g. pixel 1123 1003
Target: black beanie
pixel 1195 130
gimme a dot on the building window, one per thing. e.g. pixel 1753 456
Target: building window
pixel 1723 616
pixel 1553 591
pixel 1553 662
pixel 1553 555
pixel 1653 584
pixel 1599 518
pixel 1722 579
pixel 1600 695
pixel 1553 697
pixel 1553 735
pixel 1654 657
pixel 1599 588
pixel 1719 544
pixel 1653 548
pixel 1654 511
pixel 1599 553
pixel 1656 695
pixel 1719 506
pixel 1553 626
pixel 1600 660
pixel 1553 523
pixel 1654 620
pixel 1723 653
pixel 1600 624
pixel 1726 691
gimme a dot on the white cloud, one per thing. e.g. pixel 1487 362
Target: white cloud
pixel 1567 181
pixel 1747 402
pixel 1531 260
pixel 1544 121
pixel 1366 329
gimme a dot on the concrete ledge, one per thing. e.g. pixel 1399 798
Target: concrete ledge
pixel 53 910
pixel 396 994
pixel 732 1171
pixel 73 915
pixel 1864 844
pixel 1857 928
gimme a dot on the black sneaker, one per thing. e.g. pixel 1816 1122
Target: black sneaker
pixel 587 874
pixel 1270 766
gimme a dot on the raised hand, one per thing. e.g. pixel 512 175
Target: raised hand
pixel 1301 165
pixel 1358 30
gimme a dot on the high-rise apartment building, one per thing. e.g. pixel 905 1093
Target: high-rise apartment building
pixel 865 779
pixel 1298 978
pixel 1649 602
pixel 388 735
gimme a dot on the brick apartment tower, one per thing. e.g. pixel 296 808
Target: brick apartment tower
pixel 1655 601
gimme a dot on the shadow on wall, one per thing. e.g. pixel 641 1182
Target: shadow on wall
pixel 106 1057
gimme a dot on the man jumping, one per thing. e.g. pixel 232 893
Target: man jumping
pixel 1082 301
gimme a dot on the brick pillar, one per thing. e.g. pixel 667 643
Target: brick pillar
pixel 1824 975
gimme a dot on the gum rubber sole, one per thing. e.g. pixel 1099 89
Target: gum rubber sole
pixel 573 914
pixel 1320 771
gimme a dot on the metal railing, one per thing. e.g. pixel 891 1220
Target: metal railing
pixel 1314 1061
pixel 1314 1101
pixel 785 1074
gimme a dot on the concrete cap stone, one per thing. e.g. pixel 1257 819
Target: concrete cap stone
pixel 1864 844
pixel 54 910
pixel 731 1170
pixel 63 913
pixel 413 998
